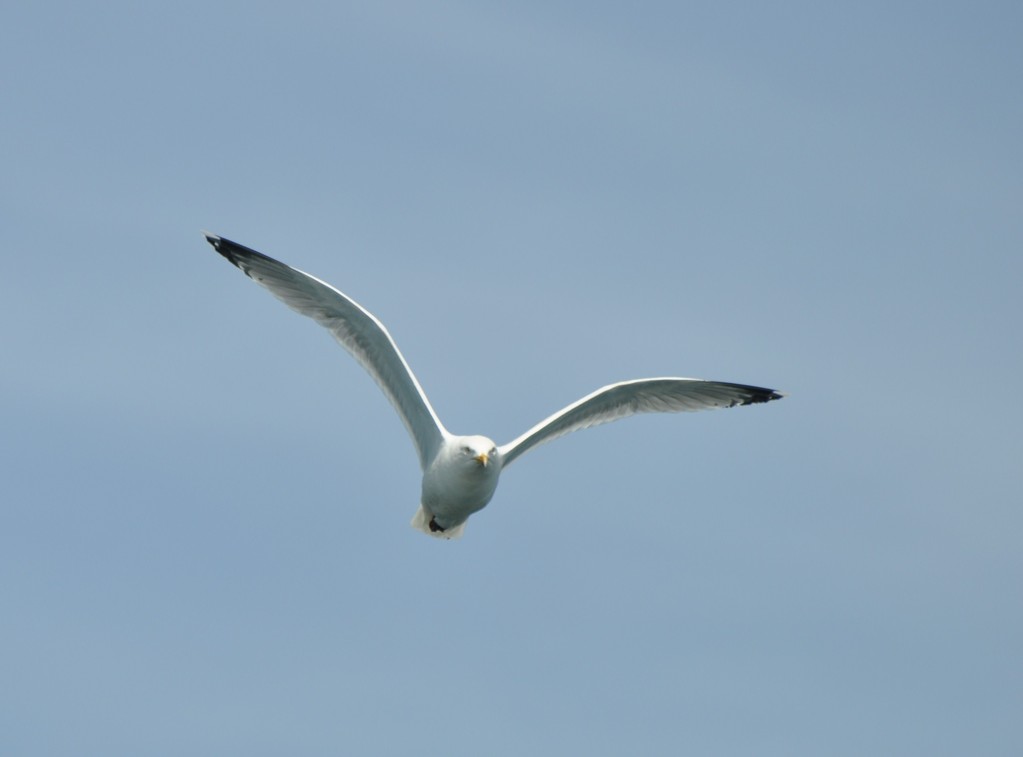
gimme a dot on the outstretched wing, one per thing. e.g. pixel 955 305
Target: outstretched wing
pixel 655 395
pixel 355 328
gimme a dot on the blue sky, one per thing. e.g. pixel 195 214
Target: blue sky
pixel 204 503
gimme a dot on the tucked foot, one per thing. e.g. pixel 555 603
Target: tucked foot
pixel 433 525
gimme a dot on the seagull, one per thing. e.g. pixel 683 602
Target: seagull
pixel 460 473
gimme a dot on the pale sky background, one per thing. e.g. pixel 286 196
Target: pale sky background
pixel 204 502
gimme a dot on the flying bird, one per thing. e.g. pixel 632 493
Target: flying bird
pixel 460 473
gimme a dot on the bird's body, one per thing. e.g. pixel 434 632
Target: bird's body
pixel 460 473
pixel 459 481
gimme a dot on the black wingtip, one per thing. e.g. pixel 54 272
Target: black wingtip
pixel 219 246
pixel 755 395
pixel 763 395
pixel 233 251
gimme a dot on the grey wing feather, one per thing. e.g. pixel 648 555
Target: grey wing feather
pixel 654 395
pixel 355 328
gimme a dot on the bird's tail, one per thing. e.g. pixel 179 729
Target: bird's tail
pixel 421 522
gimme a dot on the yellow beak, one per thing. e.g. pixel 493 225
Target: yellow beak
pixel 482 458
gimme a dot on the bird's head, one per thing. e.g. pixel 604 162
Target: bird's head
pixel 480 450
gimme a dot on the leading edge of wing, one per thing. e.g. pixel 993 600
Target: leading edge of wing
pixel 625 398
pixel 355 329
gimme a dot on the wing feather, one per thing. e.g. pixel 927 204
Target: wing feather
pixel 654 395
pixel 355 328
